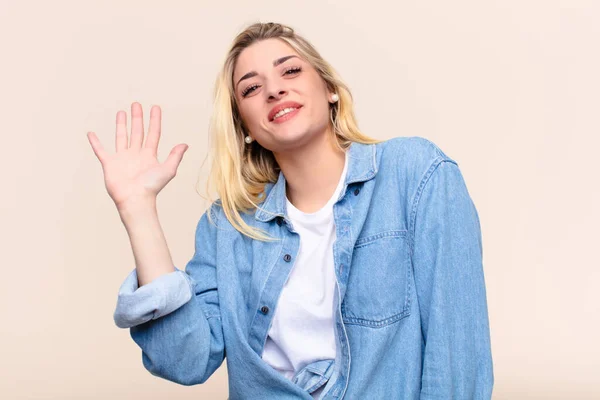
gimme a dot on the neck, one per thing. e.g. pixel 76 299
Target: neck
pixel 312 173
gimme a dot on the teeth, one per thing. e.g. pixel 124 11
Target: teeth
pixel 283 112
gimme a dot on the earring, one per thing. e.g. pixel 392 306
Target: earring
pixel 248 139
pixel 335 97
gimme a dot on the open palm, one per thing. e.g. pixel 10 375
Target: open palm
pixel 134 173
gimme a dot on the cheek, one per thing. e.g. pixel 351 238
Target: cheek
pixel 319 100
pixel 320 107
pixel 249 116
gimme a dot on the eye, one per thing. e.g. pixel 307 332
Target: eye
pixel 252 88
pixel 292 70
pixel 249 90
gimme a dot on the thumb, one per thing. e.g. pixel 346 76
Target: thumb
pixel 175 156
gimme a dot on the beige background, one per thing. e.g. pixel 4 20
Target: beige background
pixel 508 88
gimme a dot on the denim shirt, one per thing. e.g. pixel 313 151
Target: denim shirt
pixel 411 320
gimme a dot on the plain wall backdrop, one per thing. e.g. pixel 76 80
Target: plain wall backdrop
pixel 508 88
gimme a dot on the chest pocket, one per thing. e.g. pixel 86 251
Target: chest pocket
pixel 378 289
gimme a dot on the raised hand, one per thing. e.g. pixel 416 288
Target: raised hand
pixel 133 173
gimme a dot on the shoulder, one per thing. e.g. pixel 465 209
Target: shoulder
pixel 211 218
pixel 410 157
pixel 214 220
pixel 407 163
pixel 412 150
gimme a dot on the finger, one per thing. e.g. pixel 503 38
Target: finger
pixel 97 147
pixel 137 126
pixel 121 136
pixel 175 156
pixel 154 129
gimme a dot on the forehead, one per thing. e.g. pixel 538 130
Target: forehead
pixel 260 56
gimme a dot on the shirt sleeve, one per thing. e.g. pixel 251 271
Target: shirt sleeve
pixel 176 318
pixel 450 287
pixel 158 298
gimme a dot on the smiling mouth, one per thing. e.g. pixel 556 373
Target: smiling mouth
pixel 285 114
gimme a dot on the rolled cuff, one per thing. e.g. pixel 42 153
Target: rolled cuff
pixel 165 294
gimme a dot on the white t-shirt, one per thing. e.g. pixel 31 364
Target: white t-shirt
pixel 302 330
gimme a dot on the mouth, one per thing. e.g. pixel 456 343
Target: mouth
pixel 285 115
pixel 284 111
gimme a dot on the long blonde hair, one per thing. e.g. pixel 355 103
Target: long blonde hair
pixel 239 172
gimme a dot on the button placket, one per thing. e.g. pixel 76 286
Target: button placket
pixel 272 288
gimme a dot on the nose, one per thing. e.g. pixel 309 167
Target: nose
pixel 277 95
pixel 275 92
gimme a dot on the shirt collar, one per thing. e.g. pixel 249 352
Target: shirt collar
pixel 362 166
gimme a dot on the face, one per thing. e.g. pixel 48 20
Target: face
pixel 282 99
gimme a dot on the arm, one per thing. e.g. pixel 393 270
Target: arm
pixel 175 319
pixel 450 287
pixel 150 251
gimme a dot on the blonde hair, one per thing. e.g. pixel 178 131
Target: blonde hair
pixel 239 172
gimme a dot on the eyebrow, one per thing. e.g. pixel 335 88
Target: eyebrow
pixel 275 63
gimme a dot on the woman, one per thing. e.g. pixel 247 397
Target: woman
pixel 332 265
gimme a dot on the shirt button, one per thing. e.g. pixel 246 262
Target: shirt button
pixel 264 309
pixel 356 191
pixel 287 258
pixel 279 221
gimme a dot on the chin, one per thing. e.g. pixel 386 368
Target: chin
pixel 290 140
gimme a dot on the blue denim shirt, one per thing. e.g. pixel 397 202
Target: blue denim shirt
pixel 411 321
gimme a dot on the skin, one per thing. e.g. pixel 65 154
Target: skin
pixel 133 177
pixel 312 166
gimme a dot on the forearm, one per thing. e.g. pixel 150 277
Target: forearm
pixel 150 249
pixel 175 319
